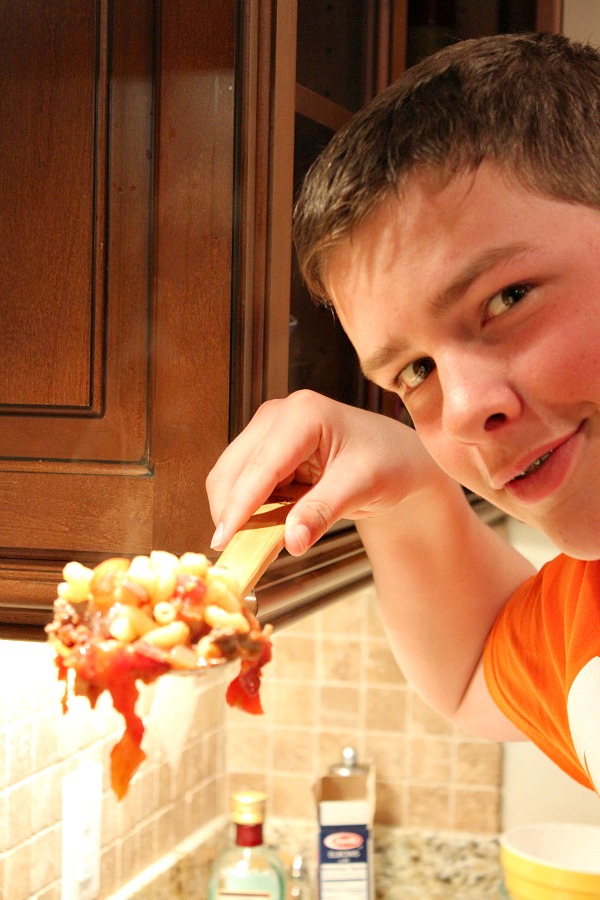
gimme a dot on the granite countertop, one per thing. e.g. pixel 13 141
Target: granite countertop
pixel 419 864
pixel 432 865
pixel 411 863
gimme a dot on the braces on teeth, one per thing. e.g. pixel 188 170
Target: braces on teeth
pixel 535 465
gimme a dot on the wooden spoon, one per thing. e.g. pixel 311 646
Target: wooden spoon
pixel 252 549
pixel 259 542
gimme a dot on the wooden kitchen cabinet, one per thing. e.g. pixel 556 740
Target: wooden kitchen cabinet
pixel 149 154
pixel 116 179
pixel 145 185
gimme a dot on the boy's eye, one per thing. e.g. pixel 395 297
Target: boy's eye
pixel 506 298
pixel 416 372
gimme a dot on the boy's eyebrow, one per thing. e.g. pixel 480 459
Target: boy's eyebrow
pixel 474 270
pixel 442 301
pixel 380 359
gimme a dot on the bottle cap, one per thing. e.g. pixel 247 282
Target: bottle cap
pixel 248 807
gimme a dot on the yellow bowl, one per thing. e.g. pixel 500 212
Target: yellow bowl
pixel 552 861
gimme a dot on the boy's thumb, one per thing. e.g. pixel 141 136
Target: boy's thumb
pixel 306 523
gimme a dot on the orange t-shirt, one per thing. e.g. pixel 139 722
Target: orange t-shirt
pixel 542 664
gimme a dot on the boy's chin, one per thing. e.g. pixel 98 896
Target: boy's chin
pixel 579 543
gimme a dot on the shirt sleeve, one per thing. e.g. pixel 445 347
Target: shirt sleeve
pixel 527 659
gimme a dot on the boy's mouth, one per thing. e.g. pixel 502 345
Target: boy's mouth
pixel 535 465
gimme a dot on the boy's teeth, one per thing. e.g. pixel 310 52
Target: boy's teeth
pixel 535 465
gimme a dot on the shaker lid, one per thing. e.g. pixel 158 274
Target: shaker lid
pixel 348 764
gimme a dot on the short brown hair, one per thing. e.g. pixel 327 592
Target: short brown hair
pixel 529 102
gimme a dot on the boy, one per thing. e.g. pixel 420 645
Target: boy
pixel 454 227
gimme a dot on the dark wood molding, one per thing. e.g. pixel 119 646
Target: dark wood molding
pixel 549 16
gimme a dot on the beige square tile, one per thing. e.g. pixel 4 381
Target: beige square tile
pixel 386 709
pixel 50 893
pixel 216 798
pixel 167 828
pixel 375 624
pixel 428 807
pixel 347 616
pixel 340 706
pixel 291 704
pixel 424 720
pixel 388 752
pixel 130 857
pixel 111 818
pixel 19 803
pixel 191 770
pixel 390 803
pixel 110 872
pixel 133 806
pixel 45 740
pixel 382 667
pixel 249 749
pixel 292 797
pixel 244 781
pixel 294 658
pixel 5 841
pixel 430 759
pixel 46 788
pixel 211 706
pixel 478 763
pixel 45 858
pixel 3 758
pixel 20 751
pixel 165 784
pixel 293 750
pixel 340 659
pixel 149 846
pixel 211 801
pixel 477 810
pixel 17 873
pixel 307 625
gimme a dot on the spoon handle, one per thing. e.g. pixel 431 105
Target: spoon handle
pixel 259 542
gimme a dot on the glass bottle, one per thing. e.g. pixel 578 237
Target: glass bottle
pixel 249 869
pixel 299 885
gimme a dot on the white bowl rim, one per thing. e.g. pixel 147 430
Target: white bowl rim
pixel 507 842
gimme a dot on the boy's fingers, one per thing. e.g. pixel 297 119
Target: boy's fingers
pixel 237 489
pixel 308 520
pixel 332 498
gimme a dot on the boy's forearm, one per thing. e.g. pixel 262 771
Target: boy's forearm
pixel 441 576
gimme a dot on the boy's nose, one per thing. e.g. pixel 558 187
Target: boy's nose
pixel 478 397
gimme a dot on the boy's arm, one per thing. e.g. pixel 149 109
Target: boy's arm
pixel 441 574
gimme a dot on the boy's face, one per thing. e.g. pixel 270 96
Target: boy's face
pixel 479 304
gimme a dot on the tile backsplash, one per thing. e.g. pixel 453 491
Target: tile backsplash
pixel 333 681
pixel 179 788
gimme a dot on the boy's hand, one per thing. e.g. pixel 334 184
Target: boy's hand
pixel 441 575
pixel 355 459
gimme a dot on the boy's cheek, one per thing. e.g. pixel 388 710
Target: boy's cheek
pixel 454 459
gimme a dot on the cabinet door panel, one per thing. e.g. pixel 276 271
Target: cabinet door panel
pixel 46 246
pixel 75 145
pixel 97 514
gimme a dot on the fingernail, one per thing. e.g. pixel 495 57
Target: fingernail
pixel 301 539
pixel 217 537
